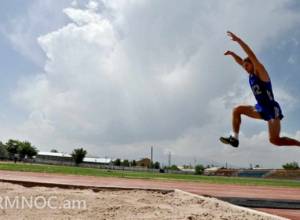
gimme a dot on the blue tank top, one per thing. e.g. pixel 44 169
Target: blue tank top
pixel 262 91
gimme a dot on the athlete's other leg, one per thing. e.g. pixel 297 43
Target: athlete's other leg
pixel 247 110
pixel 274 135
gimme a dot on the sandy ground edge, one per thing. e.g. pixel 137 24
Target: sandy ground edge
pixel 234 206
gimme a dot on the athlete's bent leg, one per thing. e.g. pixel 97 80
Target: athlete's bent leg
pixel 274 135
pixel 236 123
pixel 247 110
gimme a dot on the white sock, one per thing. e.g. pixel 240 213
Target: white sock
pixel 235 135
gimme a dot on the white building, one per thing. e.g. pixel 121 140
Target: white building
pixel 64 157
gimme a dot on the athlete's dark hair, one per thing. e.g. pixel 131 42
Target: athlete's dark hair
pixel 247 59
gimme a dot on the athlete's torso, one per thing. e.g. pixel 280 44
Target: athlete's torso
pixel 262 91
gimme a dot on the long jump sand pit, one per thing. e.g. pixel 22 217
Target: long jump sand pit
pixel 19 202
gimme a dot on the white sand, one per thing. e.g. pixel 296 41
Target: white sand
pixel 123 204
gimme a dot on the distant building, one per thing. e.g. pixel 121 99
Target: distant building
pixel 182 168
pixel 97 160
pixel 45 157
pixel 211 170
pixel 145 162
pixel 51 156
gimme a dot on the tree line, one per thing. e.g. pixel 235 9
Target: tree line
pixel 15 149
pixel 22 150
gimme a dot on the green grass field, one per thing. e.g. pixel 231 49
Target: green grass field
pixel 147 175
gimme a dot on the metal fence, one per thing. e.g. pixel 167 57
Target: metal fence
pixel 107 166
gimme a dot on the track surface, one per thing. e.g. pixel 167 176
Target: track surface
pixel 215 190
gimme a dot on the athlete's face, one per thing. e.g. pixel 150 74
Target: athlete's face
pixel 248 66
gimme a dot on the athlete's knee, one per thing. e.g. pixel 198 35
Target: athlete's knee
pixel 275 140
pixel 237 110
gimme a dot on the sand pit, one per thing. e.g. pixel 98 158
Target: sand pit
pixel 57 203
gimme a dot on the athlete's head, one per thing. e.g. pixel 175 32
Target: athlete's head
pixel 248 65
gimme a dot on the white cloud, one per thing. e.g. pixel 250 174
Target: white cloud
pixel 92 5
pixel 295 41
pixel 291 60
pixel 39 18
pixel 74 3
pixel 149 72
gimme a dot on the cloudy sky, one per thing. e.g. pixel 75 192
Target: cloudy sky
pixel 119 76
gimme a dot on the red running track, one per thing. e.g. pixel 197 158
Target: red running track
pixel 215 190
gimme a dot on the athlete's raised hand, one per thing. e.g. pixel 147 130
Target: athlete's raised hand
pixel 233 36
pixel 228 52
pixel 236 57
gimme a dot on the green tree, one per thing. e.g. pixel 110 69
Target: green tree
pixel 125 163
pixel 156 165
pixel 133 163
pixel 78 155
pixel 291 166
pixel 13 147
pixel 117 162
pixel 3 151
pixel 25 148
pixel 173 167
pixel 199 169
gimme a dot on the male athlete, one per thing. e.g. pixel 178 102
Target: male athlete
pixel 266 108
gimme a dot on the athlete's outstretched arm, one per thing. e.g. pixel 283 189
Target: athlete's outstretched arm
pixel 237 59
pixel 245 47
pixel 258 67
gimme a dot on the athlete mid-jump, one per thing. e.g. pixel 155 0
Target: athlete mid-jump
pixel 266 108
